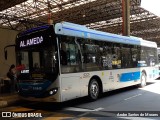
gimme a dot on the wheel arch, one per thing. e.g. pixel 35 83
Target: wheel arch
pixel 143 71
pixel 143 83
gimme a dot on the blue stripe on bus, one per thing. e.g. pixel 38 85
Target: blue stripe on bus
pixel 34 29
pixel 85 32
pixel 27 88
pixel 121 38
pixel 126 77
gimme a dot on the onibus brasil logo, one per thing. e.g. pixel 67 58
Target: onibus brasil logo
pixel 19 115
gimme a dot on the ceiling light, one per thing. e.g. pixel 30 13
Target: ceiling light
pixel 65 0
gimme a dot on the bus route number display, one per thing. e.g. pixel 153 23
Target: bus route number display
pixel 32 41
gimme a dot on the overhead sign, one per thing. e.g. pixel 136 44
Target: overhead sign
pixel 30 42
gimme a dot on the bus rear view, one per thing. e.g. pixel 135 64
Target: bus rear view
pixel 36 50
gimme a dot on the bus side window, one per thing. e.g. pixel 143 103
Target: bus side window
pixel 126 56
pixel 70 55
pixel 63 53
pixel 134 55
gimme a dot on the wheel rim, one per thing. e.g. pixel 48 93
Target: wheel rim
pixel 94 90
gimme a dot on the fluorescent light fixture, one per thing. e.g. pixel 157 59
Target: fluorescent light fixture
pixel 65 0
pixel 152 6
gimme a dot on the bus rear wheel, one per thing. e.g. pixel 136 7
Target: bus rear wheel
pixel 143 80
pixel 93 90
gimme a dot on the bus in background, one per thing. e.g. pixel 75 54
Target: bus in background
pixel 67 61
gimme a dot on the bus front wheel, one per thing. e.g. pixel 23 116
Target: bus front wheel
pixel 93 90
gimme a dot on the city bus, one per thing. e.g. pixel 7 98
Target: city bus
pixel 65 61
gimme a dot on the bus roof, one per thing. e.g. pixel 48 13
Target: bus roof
pixel 71 29
pixel 33 30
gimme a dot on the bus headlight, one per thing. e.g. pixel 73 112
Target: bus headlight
pixel 53 91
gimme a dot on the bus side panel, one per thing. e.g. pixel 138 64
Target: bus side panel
pixel 75 85
pixel 70 86
pixel 152 73
pixel 120 78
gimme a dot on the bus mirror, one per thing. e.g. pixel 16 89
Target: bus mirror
pixel 5 55
pixel 5 51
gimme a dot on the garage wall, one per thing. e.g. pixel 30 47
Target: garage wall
pixel 7 37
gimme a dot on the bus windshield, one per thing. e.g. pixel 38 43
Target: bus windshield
pixel 38 62
pixel 37 52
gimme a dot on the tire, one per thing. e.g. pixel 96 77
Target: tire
pixel 143 80
pixel 93 90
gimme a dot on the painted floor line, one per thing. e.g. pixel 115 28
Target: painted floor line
pixel 98 109
pixel 86 113
pixel 89 111
pixel 78 109
pixel 83 109
pixel 133 97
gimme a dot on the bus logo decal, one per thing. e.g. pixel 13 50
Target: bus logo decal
pixel 86 75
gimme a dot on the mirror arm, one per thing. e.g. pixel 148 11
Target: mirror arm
pixel 5 51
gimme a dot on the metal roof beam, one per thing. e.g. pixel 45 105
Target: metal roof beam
pixel 9 3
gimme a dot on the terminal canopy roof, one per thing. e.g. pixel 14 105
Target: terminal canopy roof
pixel 103 15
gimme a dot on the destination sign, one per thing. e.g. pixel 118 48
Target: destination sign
pixel 32 41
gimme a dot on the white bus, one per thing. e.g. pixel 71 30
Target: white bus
pixel 67 61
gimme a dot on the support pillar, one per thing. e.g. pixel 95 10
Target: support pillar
pixel 126 17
